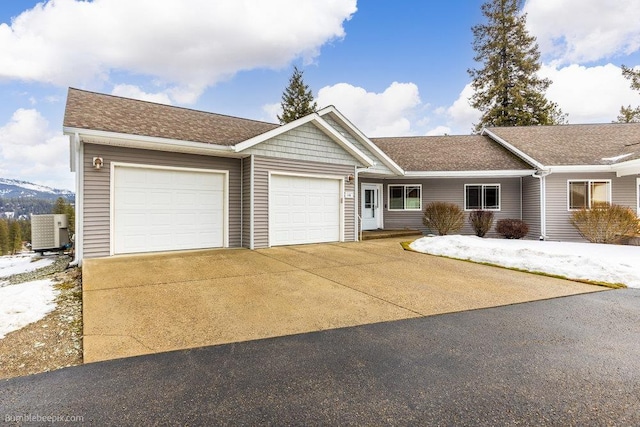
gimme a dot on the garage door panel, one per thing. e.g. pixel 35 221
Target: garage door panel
pixel 157 209
pixel 304 210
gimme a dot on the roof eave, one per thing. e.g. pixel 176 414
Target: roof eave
pixel 579 168
pixel 630 167
pixel 505 173
pixel 149 142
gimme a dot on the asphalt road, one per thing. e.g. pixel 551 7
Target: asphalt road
pixel 566 361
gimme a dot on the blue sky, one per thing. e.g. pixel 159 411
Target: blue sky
pixel 394 68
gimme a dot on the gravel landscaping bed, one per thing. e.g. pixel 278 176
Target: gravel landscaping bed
pixel 55 341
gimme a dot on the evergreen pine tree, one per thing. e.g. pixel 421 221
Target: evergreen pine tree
pixel 629 114
pixel 15 238
pixel 4 237
pixel 61 206
pixel 297 99
pixel 508 91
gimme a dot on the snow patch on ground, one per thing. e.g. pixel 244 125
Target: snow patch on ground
pixel 25 303
pixel 23 263
pixel 587 261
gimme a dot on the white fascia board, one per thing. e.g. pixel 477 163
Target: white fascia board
pixel 72 152
pixel 241 146
pixel 393 166
pixel 580 168
pixel 513 149
pixel 630 167
pixel 470 174
pixel 151 143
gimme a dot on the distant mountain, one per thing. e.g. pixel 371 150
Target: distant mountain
pixel 13 189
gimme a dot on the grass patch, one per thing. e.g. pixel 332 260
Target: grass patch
pixel 542 273
pixel 65 286
pixel 406 247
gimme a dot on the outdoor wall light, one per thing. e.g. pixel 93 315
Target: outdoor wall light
pixel 350 178
pixel 97 163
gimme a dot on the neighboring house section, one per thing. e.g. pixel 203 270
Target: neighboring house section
pixel 578 166
pixel 153 177
pixel 471 171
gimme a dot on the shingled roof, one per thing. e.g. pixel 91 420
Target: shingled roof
pixel 588 144
pixel 95 111
pixel 450 153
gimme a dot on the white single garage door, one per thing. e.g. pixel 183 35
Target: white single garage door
pixel 166 209
pixel 303 210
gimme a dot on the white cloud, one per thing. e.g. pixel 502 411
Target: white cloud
pixel 579 31
pixel 439 130
pixel 459 118
pixel 132 91
pixel 272 112
pixel 463 116
pixel 376 114
pixel 589 94
pixel 186 44
pixel 30 151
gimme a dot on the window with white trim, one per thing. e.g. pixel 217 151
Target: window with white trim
pixel 405 197
pixel 484 197
pixel 588 193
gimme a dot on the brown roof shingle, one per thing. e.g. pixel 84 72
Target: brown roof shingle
pixel 449 153
pixel 586 144
pixel 90 110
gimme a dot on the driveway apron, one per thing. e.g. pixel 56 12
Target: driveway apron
pixel 144 304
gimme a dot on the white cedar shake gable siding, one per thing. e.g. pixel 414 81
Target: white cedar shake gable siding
pixel 379 168
pixel 306 143
pixel 623 192
pixel 96 191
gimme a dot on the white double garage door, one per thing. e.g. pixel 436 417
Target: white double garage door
pixel 157 209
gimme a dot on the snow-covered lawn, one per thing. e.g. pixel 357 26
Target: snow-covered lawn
pixel 23 303
pixel 16 264
pixel 587 261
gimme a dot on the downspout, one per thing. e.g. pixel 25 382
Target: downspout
pixel 78 241
pixel 541 175
pixel 242 203
pixel 251 203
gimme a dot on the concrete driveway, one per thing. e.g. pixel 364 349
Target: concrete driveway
pixel 143 304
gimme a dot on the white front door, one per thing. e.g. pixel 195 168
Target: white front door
pixel 370 206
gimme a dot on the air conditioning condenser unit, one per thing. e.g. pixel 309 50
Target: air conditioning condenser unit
pixel 49 232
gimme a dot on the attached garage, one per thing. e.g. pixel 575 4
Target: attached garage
pixel 304 209
pixel 161 209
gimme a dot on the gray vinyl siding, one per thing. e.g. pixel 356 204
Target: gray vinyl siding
pixel 451 190
pixel 97 187
pixel 246 202
pixel 264 165
pixel 379 167
pixel 531 205
pixel 306 143
pixel 623 192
